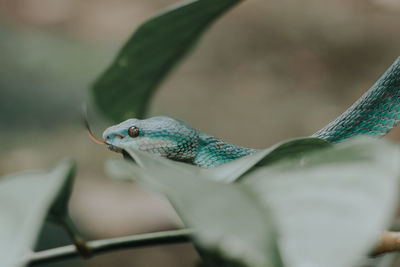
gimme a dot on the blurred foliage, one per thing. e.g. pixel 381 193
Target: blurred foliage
pixel 346 194
pixel 41 83
pixel 231 228
pixel 27 199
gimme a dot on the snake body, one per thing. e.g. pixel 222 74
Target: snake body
pixel 374 114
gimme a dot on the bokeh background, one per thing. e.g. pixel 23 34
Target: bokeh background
pixel 265 72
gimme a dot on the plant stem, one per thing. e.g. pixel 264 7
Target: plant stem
pixel 81 246
pixel 112 244
pixel 390 241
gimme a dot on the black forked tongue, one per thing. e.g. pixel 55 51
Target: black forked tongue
pixel 85 121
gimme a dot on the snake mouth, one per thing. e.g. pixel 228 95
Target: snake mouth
pixel 98 140
pixel 113 143
pixel 114 148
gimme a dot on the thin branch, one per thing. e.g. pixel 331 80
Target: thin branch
pixel 112 244
pixel 81 245
pixel 390 241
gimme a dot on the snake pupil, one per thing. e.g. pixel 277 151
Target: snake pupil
pixel 133 131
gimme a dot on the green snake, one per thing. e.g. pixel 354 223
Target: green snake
pixel 374 114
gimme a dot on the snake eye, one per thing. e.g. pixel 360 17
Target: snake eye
pixel 133 131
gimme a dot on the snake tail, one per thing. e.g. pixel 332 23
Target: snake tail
pixel 374 114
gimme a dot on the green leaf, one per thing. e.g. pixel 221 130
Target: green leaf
pixel 59 208
pixel 59 213
pixel 126 87
pixel 26 199
pixel 230 224
pixel 331 209
pixel 290 149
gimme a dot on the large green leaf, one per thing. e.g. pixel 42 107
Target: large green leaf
pixel 331 209
pixel 26 199
pixel 232 228
pixel 124 90
pixel 330 206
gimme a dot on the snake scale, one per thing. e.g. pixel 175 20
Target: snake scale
pixel 374 114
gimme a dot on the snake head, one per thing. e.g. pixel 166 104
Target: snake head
pixel 161 135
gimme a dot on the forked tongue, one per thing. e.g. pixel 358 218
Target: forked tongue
pixel 86 122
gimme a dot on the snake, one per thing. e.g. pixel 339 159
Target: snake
pixel 375 113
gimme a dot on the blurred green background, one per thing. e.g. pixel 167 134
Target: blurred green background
pixel 265 72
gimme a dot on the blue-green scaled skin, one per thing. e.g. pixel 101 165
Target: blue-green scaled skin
pixel 374 114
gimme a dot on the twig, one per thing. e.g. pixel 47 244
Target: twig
pixel 81 245
pixel 390 241
pixel 112 244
